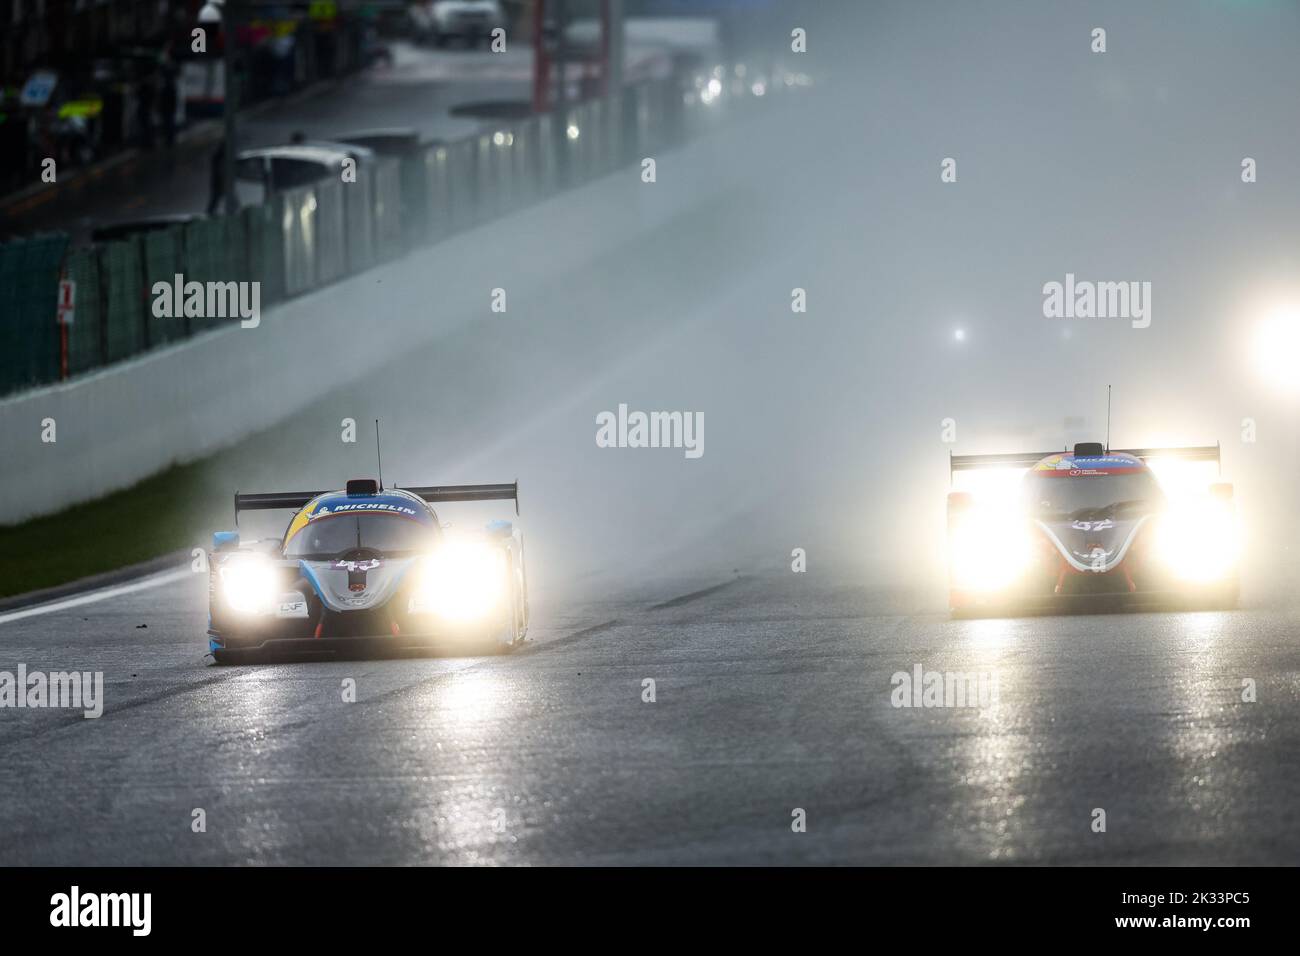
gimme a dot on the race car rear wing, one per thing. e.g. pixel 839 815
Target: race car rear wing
pixel 293 500
pixel 272 500
pixel 436 493
pixel 1028 460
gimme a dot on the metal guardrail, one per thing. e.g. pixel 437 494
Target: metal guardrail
pixel 305 238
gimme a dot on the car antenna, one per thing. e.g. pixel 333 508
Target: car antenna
pixel 1108 419
pixel 379 456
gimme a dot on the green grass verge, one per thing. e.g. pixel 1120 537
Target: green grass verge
pixel 165 513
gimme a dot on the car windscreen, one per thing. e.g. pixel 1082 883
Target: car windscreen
pixel 331 535
pixel 1116 495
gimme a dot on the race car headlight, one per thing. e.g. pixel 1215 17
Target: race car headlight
pixel 461 581
pixel 248 585
pixel 987 551
pixel 1199 542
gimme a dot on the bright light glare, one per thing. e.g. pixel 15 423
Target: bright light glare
pixel 1183 480
pixel 994 487
pixel 1277 349
pixel 988 549
pixel 248 584
pixel 462 580
pixel 1200 541
pixel 959 335
pixel 471 697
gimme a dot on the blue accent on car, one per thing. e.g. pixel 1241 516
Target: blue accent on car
pixel 310 575
pixel 225 540
pixel 1104 462
pixel 398 502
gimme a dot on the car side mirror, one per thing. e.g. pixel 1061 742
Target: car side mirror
pixel 225 541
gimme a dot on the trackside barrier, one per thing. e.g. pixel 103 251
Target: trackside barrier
pixel 548 162
pixel 310 236
pixel 487 194
pixel 298 238
pixel 436 172
pixel 213 252
pixel 264 231
pixel 29 289
pixel 387 204
pixel 462 176
pixel 120 270
pixel 331 225
pixel 86 346
pixel 356 240
pixel 164 259
pixel 413 197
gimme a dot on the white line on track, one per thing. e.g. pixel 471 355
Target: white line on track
pixel 104 594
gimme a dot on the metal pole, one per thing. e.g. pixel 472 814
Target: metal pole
pixel 230 104
pixel 561 123
pixel 613 43
pixel 614 48
pixel 541 60
pixel 561 63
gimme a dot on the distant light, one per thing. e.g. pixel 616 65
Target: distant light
pixel 715 87
pixel 759 88
pixel 959 335
pixel 572 132
pixel 499 138
pixel 1277 349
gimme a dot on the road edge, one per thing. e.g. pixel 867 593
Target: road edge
pixel 94 582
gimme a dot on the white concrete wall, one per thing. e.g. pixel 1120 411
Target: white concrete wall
pixel 176 404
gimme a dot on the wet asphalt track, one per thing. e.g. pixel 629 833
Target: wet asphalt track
pixel 773 693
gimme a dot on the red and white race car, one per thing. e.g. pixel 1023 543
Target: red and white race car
pixel 1141 525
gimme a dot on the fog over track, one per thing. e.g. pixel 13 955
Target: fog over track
pixel 822 430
